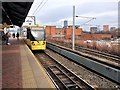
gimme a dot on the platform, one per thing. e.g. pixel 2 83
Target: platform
pixel 20 68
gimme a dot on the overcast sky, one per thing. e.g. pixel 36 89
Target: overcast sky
pixel 54 12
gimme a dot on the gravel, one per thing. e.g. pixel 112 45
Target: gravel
pixel 93 79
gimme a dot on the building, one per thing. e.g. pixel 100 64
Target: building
pixel 112 29
pixel 65 24
pixel 96 36
pixel 93 29
pixel 106 28
pixel 59 31
pixel 68 32
pixel 53 31
pixel 50 30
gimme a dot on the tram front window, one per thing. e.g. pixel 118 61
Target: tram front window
pixel 39 35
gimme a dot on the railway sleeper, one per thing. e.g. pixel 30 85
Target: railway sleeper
pixel 67 82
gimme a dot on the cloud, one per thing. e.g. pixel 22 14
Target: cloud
pixel 101 14
pixel 55 12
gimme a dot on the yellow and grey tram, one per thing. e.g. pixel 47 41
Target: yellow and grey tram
pixel 36 38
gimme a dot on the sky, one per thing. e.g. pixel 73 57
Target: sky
pixel 54 12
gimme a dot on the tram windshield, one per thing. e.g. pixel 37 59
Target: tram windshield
pixel 39 35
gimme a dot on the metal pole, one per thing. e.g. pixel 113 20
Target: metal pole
pixel 73 36
pixel 33 17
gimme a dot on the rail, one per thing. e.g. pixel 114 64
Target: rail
pixel 101 68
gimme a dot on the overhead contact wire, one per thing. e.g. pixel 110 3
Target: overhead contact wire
pixel 38 7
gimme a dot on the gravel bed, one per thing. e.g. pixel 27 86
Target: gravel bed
pixel 93 79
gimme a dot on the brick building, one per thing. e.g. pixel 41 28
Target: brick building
pixel 58 31
pixel 89 36
pixel 52 30
pixel 68 32
pixel 79 34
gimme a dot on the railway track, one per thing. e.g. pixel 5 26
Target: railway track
pixel 112 60
pixel 66 81
pixel 64 78
pixel 100 54
pixel 105 68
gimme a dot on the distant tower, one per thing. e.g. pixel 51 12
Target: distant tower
pixel 65 24
pixel 105 28
pixel 112 29
pixel 93 29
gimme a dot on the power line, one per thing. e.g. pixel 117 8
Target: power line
pixel 86 17
pixel 38 7
pixel 41 5
pixel 91 18
pixel 88 21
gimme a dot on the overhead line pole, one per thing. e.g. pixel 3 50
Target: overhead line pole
pixel 73 35
pixel 33 17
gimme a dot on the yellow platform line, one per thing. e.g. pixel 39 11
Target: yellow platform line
pixel 48 79
pixel 45 74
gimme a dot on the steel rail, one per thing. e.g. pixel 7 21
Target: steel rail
pixel 96 52
pixel 99 53
pixel 66 81
pixel 74 77
pixel 101 68
pixel 73 81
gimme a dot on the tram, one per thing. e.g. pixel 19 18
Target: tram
pixel 36 38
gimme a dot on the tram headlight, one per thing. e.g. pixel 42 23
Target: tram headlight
pixel 33 43
pixel 43 43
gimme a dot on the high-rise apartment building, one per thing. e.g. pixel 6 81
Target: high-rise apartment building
pixel 112 29
pixel 105 28
pixel 65 24
pixel 93 29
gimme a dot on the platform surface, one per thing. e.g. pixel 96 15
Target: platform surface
pixel 20 68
